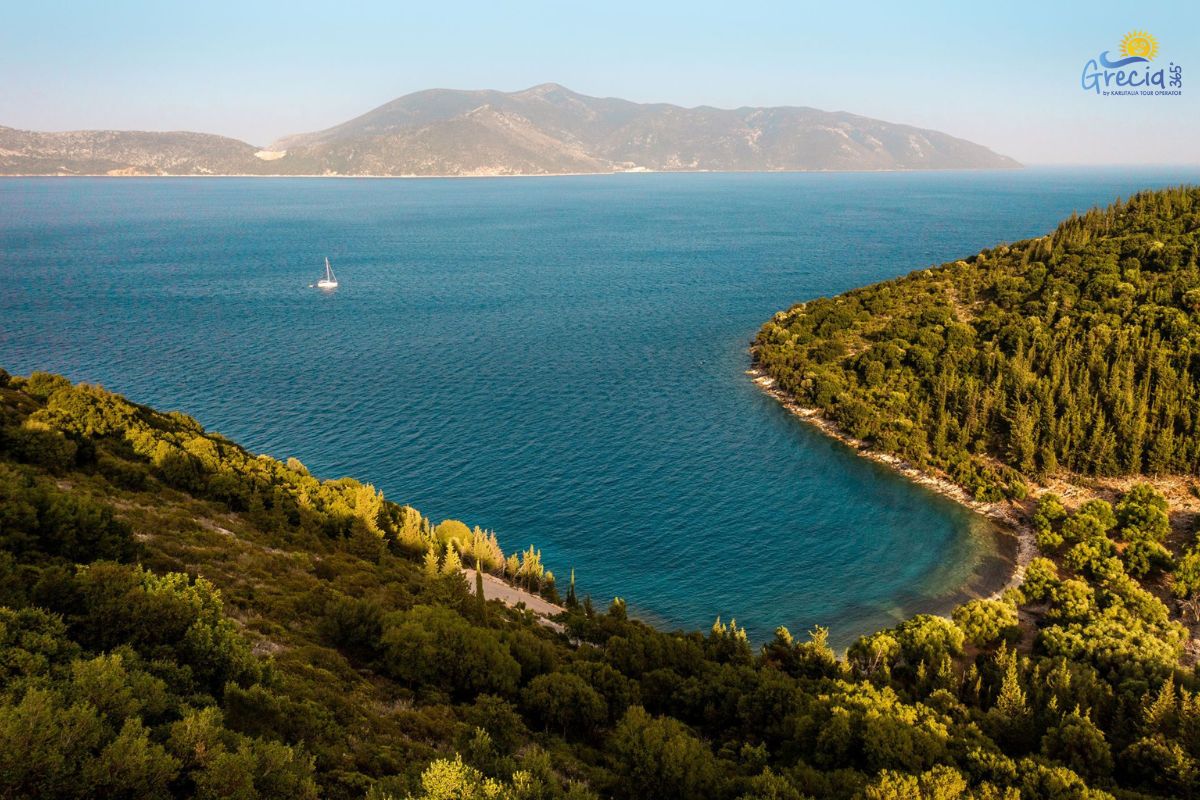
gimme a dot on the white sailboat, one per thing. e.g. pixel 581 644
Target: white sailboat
pixel 330 280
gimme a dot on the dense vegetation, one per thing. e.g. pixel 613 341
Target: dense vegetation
pixel 1076 351
pixel 184 619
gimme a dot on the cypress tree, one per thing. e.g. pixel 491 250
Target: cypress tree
pixel 480 600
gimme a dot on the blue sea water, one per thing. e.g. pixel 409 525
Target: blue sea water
pixel 559 359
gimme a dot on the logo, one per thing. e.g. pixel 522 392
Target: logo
pixel 1139 45
pixel 1133 72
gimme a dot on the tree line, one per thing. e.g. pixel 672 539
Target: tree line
pixel 1078 351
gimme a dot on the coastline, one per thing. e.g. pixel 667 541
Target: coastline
pixel 1009 521
pixel 637 171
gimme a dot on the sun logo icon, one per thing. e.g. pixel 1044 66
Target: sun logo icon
pixel 1140 44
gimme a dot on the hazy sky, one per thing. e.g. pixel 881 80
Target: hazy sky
pixel 1007 76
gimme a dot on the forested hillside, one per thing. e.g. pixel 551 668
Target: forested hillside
pixel 182 618
pixel 1078 351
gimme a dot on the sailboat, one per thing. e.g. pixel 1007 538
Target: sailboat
pixel 330 280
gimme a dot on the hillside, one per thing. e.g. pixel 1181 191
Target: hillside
pixel 124 153
pixel 544 130
pixel 182 618
pixel 549 128
pixel 1073 355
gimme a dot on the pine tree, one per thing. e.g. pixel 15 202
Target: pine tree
pixel 430 563
pixel 452 565
pixel 1010 721
pixel 1158 716
pixel 1021 448
pixel 1011 700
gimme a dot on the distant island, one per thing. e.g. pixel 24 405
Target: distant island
pixel 544 130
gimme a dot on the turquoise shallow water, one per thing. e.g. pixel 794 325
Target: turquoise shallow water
pixel 559 359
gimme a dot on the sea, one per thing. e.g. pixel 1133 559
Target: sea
pixel 561 360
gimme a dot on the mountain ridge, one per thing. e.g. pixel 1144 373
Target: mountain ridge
pixel 543 130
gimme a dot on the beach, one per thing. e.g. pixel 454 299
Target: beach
pixel 1011 519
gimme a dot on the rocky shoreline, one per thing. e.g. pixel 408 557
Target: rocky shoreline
pixel 1008 516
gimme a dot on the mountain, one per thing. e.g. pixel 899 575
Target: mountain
pixel 545 130
pixel 549 128
pixel 124 153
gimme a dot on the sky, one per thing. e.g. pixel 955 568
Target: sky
pixel 1006 75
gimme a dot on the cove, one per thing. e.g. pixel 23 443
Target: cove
pixel 560 359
